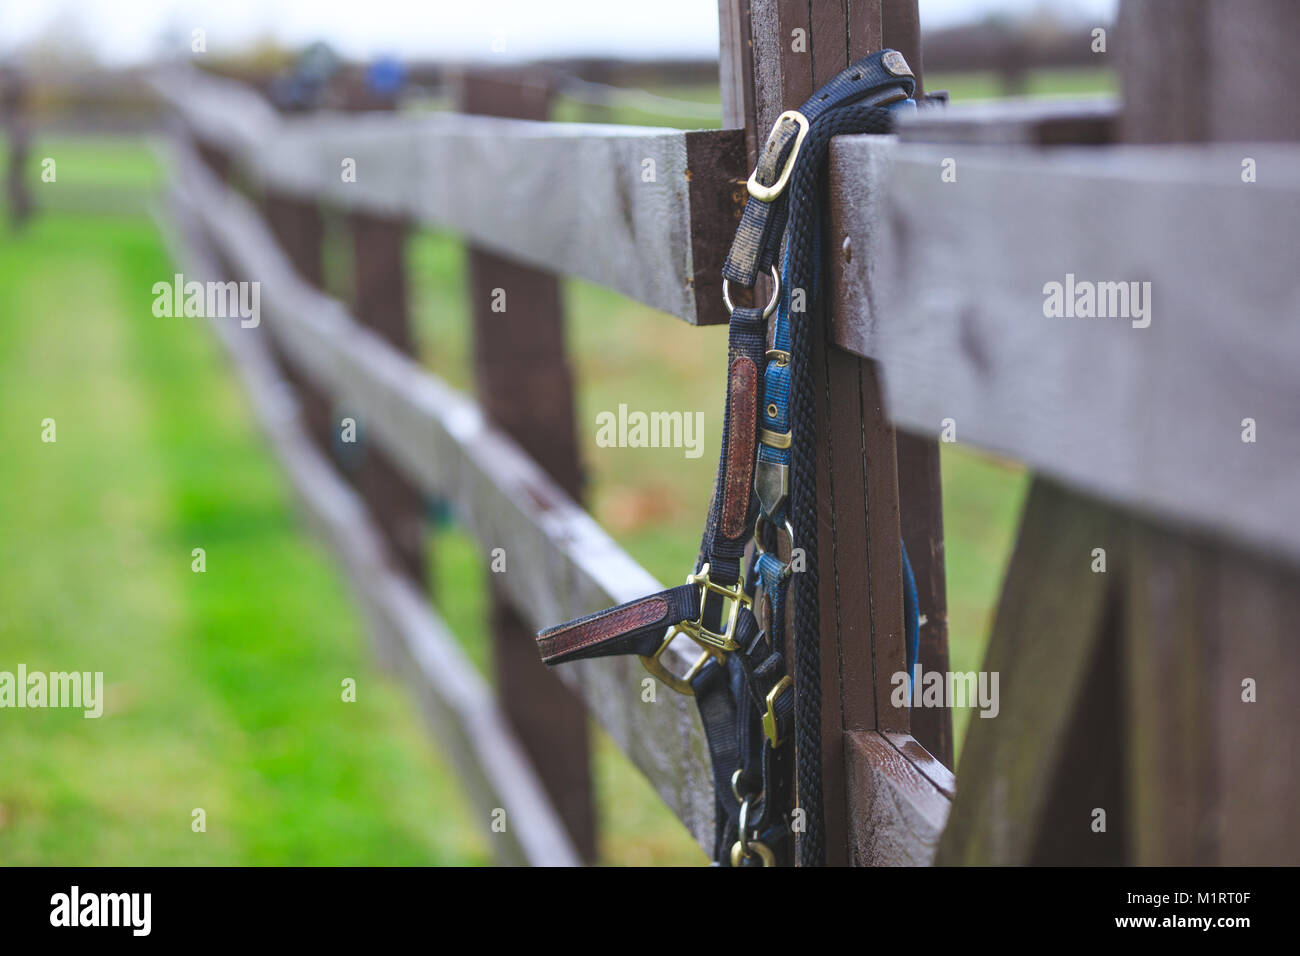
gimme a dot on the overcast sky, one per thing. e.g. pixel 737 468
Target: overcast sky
pixel 124 31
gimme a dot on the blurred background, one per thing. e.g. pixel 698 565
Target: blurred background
pixel 222 688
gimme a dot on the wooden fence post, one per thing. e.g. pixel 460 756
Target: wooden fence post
pixel 920 488
pixel 380 303
pixel 14 101
pixel 775 53
pixel 1156 691
pixel 525 387
pixel 297 226
pixel 1211 659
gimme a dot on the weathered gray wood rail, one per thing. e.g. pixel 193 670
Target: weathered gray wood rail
pixel 456 701
pixel 949 296
pixel 675 191
pixel 561 564
pixel 944 288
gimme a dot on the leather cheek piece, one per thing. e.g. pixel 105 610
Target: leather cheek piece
pixel 632 628
pixel 569 640
pixel 742 398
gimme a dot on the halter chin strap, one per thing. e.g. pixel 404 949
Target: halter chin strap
pixel 744 693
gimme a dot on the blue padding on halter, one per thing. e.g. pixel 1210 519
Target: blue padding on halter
pixel 776 392
pixel 911 620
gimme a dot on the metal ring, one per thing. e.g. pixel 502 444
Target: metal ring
pixel 735 785
pixel 771 306
pixel 747 851
pixel 758 528
pixel 745 848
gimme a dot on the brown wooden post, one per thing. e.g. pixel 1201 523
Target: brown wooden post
pixel 525 386
pixel 1032 776
pixel 298 228
pixel 920 489
pixel 380 302
pixel 1159 690
pixel 765 71
pixel 13 89
pixel 1211 761
pixel 1209 70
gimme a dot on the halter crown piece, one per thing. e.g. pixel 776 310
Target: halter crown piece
pixel 745 694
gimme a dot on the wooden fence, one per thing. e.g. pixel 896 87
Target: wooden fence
pixel 1121 690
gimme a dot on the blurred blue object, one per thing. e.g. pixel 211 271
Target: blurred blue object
pixel 385 76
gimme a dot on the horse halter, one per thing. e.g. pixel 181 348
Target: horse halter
pixel 744 692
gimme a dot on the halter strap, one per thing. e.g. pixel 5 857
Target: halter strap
pixel 744 694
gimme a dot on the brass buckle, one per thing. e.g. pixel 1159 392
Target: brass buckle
pixel 769 717
pixel 768 193
pixel 716 644
pixel 696 630
pixel 657 669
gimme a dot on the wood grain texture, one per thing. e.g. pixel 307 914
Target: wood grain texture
pixel 920 493
pixel 960 329
pixel 561 563
pixel 380 303
pixel 14 106
pixel 1024 122
pixel 796 47
pixel 1032 772
pixel 899 812
pixel 298 228
pixel 525 385
pixel 736 72
pixel 457 702
pixel 580 200
pixel 1209 70
pixel 1213 770
pixel 857 504
pixel 861 184
pixel 926 764
pixel 1214 774
pixel 1013 122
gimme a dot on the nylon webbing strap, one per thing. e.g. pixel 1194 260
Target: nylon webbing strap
pixel 875 81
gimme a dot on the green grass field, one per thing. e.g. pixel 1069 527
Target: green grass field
pixel 224 688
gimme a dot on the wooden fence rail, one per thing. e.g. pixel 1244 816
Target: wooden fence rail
pixel 949 296
pixel 673 192
pixel 940 295
pixel 455 699
pixel 561 564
